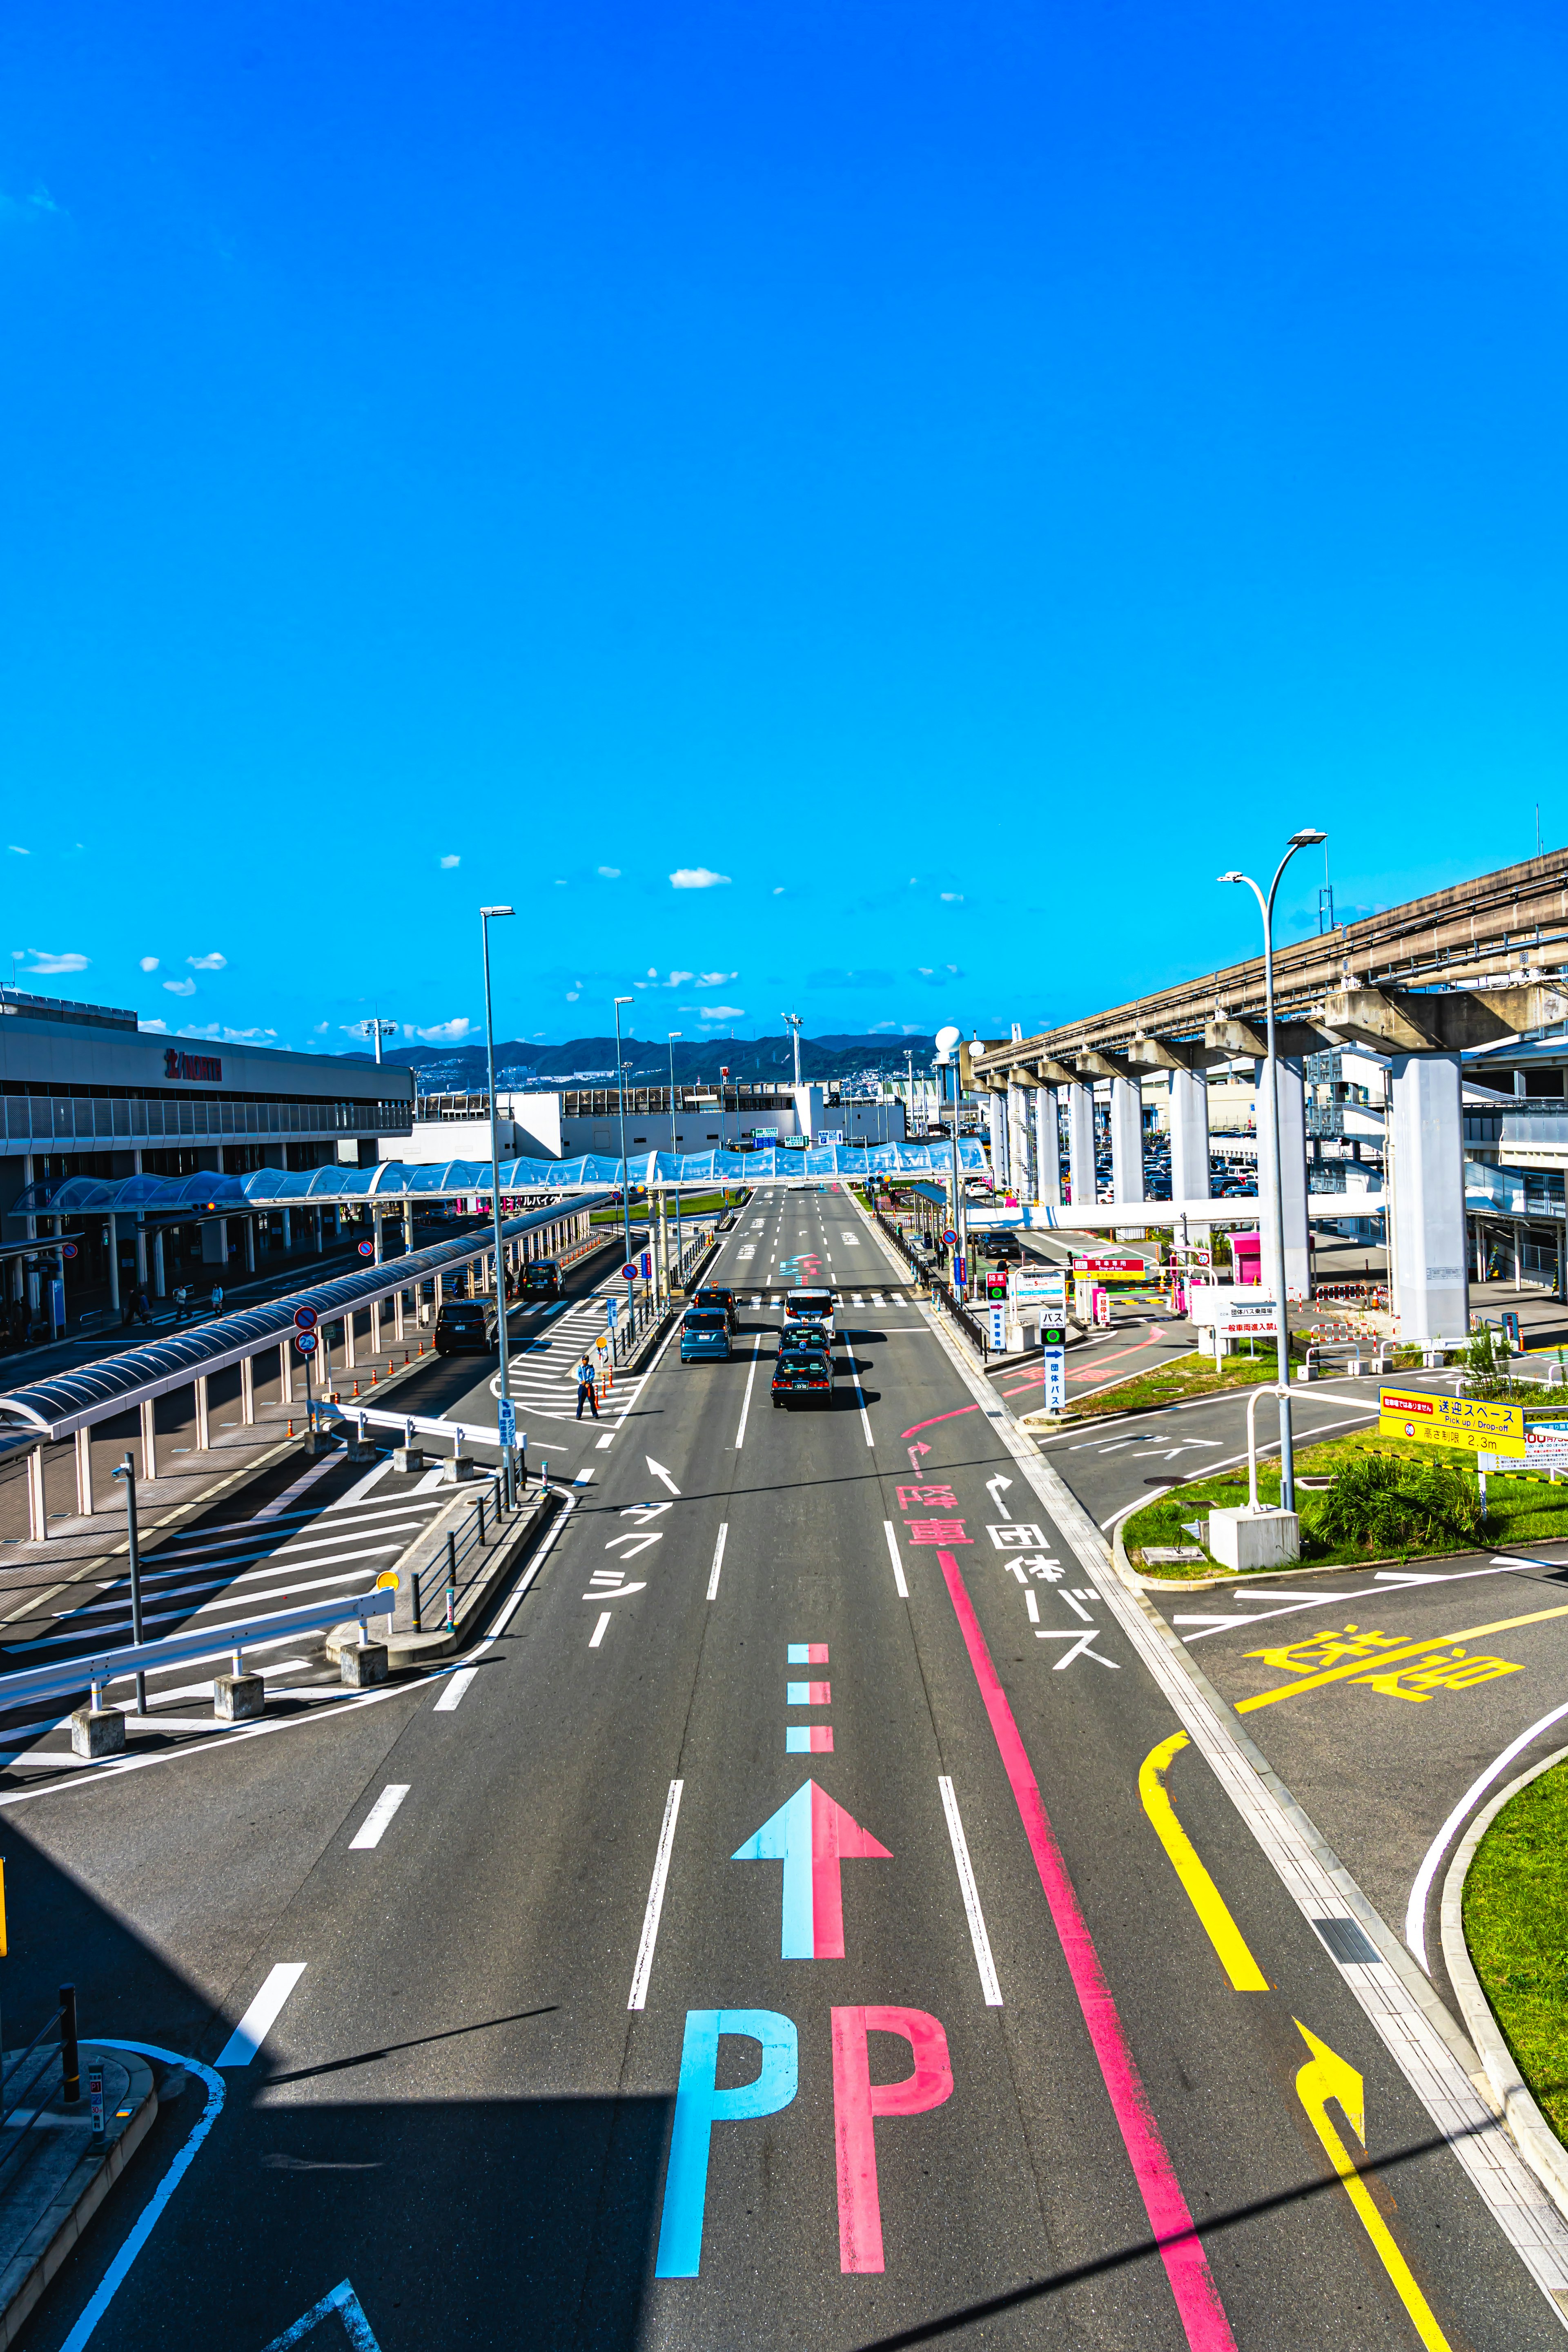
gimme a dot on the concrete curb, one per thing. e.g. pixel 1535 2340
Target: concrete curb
pixel 405 1647
pixel 75 2217
pixel 1532 2134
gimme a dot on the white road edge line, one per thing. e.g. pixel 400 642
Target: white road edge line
pixel 970 1892
pixel 1415 1909
pixel 718 1560
pixel 643 1966
pixel 746 1400
pixel 373 1827
pixel 903 1590
pixel 600 1630
pixel 1430 2050
pixel 262 2015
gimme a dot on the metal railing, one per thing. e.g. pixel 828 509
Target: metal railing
pixel 58 1119
pixel 97 1668
pixel 472 1542
pixel 12 2099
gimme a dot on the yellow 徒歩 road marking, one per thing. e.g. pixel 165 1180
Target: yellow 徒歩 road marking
pixel 1325 2079
pixel 1230 1945
pixel 1375 1665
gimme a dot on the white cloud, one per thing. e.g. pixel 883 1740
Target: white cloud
pixel 953 897
pixel 696 877
pixel 161 1027
pixel 572 996
pixel 149 963
pixel 48 961
pixel 653 971
pixel 17 849
pixel 778 889
pixel 248 1036
pixel 447 1033
pixel 207 1029
pixel 561 882
pixel 723 1011
pixel 180 987
pixel 925 970
pixel 714 979
pixel 214 963
pixel 611 873
pixel 446 864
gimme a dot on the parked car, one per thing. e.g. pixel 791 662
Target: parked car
pixel 717 1294
pixel 803 1376
pixel 466 1323
pixel 704 1336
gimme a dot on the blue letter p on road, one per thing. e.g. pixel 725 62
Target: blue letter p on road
pixel 698 2106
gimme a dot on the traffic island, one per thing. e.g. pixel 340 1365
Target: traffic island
pixel 55 2172
pixel 448 1580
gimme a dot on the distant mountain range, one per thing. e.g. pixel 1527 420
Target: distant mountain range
pixel 591 1061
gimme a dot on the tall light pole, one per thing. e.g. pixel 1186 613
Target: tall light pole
pixel 502 1334
pixel 947 1052
pixel 621 1102
pixel 1306 839
pixel 671 1039
pixel 791 1022
pixel 378 1029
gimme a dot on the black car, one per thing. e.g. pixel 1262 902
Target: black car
pixel 1003 1246
pixel 803 1376
pixel 717 1294
pixel 540 1278
pixel 466 1323
pixel 815 1338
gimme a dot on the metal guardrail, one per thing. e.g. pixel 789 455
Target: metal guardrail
pixel 97 1668
pixel 490 1515
pixel 71 2072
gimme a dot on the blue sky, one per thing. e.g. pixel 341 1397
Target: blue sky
pixel 943 481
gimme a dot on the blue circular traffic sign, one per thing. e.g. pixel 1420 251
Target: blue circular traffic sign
pixel 948 1238
pixel 367 1249
pixel 68 1249
pixel 307 1342
pixel 629 1271
pixel 305 1318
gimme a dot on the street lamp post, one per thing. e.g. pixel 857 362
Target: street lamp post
pixel 1306 838
pixel 671 1039
pixel 502 1333
pixel 621 1102
pixel 947 1053
pixel 378 1029
pixel 127 1470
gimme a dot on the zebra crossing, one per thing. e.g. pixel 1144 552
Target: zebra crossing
pixel 541 1370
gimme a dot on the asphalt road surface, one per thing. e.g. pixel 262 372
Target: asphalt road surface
pixel 755 1946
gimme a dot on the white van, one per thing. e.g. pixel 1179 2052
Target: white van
pixel 810 1306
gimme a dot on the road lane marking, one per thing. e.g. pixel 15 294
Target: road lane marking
pixel 1213 1914
pixel 1326 2077
pixel 901 1588
pixel 1367 1665
pixel 808 1694
pixel 699 2104
pixel 452 1696
pixel 661 1474
pixel 808 1739
pixel 349 2309
pixel 970 1893
pixel 1415 1909
pixel 597 1635
pixel 1175 2232
pixel 718 1560
pixel 373 1829
pixel 812 1836
pixel 262 2015
pixel 643 1966
pixel 857 2099
pixel 746 1400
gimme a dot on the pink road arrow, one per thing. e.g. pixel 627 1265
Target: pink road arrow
pixel 811 1836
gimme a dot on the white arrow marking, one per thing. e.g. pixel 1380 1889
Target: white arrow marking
pixel 660 1472
pixel 346 2304
pixel 996 1488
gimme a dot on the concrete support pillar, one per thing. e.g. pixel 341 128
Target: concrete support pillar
pixel 203 1416
pixel 1047 1150
pixel 1081 1145
pixel 37 1515
pixel 286 1372
pixel 251 1245
pixel 316 1231
pixel 84 1472
pixel 248 1391
pixel 288 1231
pixel 376 1229
pixel 1189 1135
pixel 114 1264
pixel 1126 1148
pixel 375 1327
pixel 440 1292
pixel 140 1254
pixel 349 1359
pixel 397 1298
pixel 160 1288
pixel 214 1242
pixel 149 1441
pixel 998 1108
pixel 1020 1174
pixel 1426 1184
pixel 1292 1179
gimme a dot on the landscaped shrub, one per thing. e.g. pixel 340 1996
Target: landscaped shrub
pixel 1381 1504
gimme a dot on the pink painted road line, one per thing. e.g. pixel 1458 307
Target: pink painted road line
pixel 1180 2251
pixel 953 1415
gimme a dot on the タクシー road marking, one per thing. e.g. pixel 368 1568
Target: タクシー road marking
pixel 373 1829
pixel 262 2015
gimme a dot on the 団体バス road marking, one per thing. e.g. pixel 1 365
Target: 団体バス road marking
pixel 262 2015
pixel 970 1893
pixel 1229 1943
pixel 1185 2263
pixel 718 1560
pixel 1326 2077
pixel 1368 1665
pixel 899 1587
pixel 373 1829
pixel 643 1966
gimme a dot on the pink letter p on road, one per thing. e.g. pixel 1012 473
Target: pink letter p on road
pixel 857 2099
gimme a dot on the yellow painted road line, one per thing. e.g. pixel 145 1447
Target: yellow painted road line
pixel 1385 1657
pixel 1230 1945
pixel 1328 2077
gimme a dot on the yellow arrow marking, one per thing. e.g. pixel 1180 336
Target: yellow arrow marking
pixel 1230 1945
pixel 1326 2077
pixel 1387 1657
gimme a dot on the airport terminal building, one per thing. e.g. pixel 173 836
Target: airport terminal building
pixel 86 1091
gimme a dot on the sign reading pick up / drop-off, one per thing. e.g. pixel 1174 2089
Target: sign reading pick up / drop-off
pixel 1453 1421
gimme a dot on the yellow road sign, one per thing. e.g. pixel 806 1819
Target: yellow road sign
pixel 1452 1421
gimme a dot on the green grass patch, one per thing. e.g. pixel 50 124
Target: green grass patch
pixel 1516 1925
pixel 1518 1510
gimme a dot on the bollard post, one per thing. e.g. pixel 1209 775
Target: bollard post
pixel 480 1507
pixel 95 2098
pixel 413 1603
pixel 70 2062
pixel 451 1579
